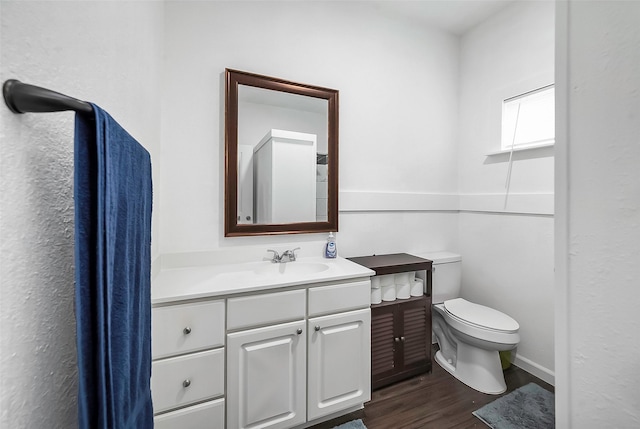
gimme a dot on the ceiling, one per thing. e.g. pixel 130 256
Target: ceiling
pixel 453 16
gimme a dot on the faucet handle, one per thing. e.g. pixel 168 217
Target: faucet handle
pixel 292 254
pixel 276 256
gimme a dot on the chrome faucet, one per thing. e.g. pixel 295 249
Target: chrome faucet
pixel 289 254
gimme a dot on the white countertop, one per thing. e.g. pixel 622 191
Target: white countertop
pixel 179 284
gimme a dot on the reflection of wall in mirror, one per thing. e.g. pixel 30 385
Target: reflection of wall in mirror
pixel 257 119
pixel 245 184
pixel 285 172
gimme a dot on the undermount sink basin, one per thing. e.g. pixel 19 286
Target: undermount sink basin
pixel 291 268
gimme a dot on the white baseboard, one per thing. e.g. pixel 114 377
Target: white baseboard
pixel 544 374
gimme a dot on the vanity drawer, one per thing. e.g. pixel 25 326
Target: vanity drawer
pixel 183 328
pixel 338 298
pixel 206 415
pixel 265 309
pixel 186 379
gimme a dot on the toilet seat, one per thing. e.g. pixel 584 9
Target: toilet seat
pixel 480 316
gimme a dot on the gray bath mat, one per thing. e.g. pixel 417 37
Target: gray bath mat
pixel 353 424
pixel 529 407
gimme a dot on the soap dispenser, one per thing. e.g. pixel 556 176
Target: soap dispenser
pixel 330 250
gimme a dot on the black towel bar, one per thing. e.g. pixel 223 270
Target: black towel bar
pixel 22 98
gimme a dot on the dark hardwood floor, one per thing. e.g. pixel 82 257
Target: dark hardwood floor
pixel 434 400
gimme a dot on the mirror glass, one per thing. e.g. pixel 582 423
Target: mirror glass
pixel 281 156
pixel 282 137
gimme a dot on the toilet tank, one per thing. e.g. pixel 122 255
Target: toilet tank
pixel 447 275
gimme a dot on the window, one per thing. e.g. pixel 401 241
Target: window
pixel 528 120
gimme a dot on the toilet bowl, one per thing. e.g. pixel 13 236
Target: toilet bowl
pixel 470 336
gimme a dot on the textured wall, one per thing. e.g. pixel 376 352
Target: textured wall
pixel 108 53
pixel 598 228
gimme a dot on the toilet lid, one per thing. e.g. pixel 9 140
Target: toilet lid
pixel 480 315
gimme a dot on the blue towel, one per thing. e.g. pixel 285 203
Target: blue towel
pixel 113 275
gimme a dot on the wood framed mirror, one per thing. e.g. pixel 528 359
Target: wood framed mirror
pixel 281 156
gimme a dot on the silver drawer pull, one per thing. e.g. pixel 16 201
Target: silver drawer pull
pixel 318 328
pixel 186 383
pixel 299 331
pixel 187 330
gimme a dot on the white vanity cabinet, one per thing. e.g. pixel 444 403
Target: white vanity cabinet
pixel 274 353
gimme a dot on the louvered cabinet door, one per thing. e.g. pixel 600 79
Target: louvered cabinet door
pixel 383 346
pixel 415 336
pixel 400 340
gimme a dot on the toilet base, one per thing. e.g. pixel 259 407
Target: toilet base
pixel 477 368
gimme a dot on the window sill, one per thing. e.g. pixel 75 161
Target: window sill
pixel 519 149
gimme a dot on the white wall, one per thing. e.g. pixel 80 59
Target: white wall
pixel 598 215
pixel 398 108
pixel 105 52
pixel 506 240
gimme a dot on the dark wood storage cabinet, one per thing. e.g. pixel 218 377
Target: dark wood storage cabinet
pixel 400 340
pixel 400 329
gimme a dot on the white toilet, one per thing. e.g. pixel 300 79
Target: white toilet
pixel 470 335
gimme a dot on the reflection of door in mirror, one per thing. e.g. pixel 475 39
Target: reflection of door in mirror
pixel 259 112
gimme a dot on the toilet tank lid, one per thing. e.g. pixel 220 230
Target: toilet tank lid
pixel 439 257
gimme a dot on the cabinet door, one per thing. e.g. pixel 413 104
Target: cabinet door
pixel 266 377
pixel 400 340
pixel 415 335
pixel 383 344
pixel 339 362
